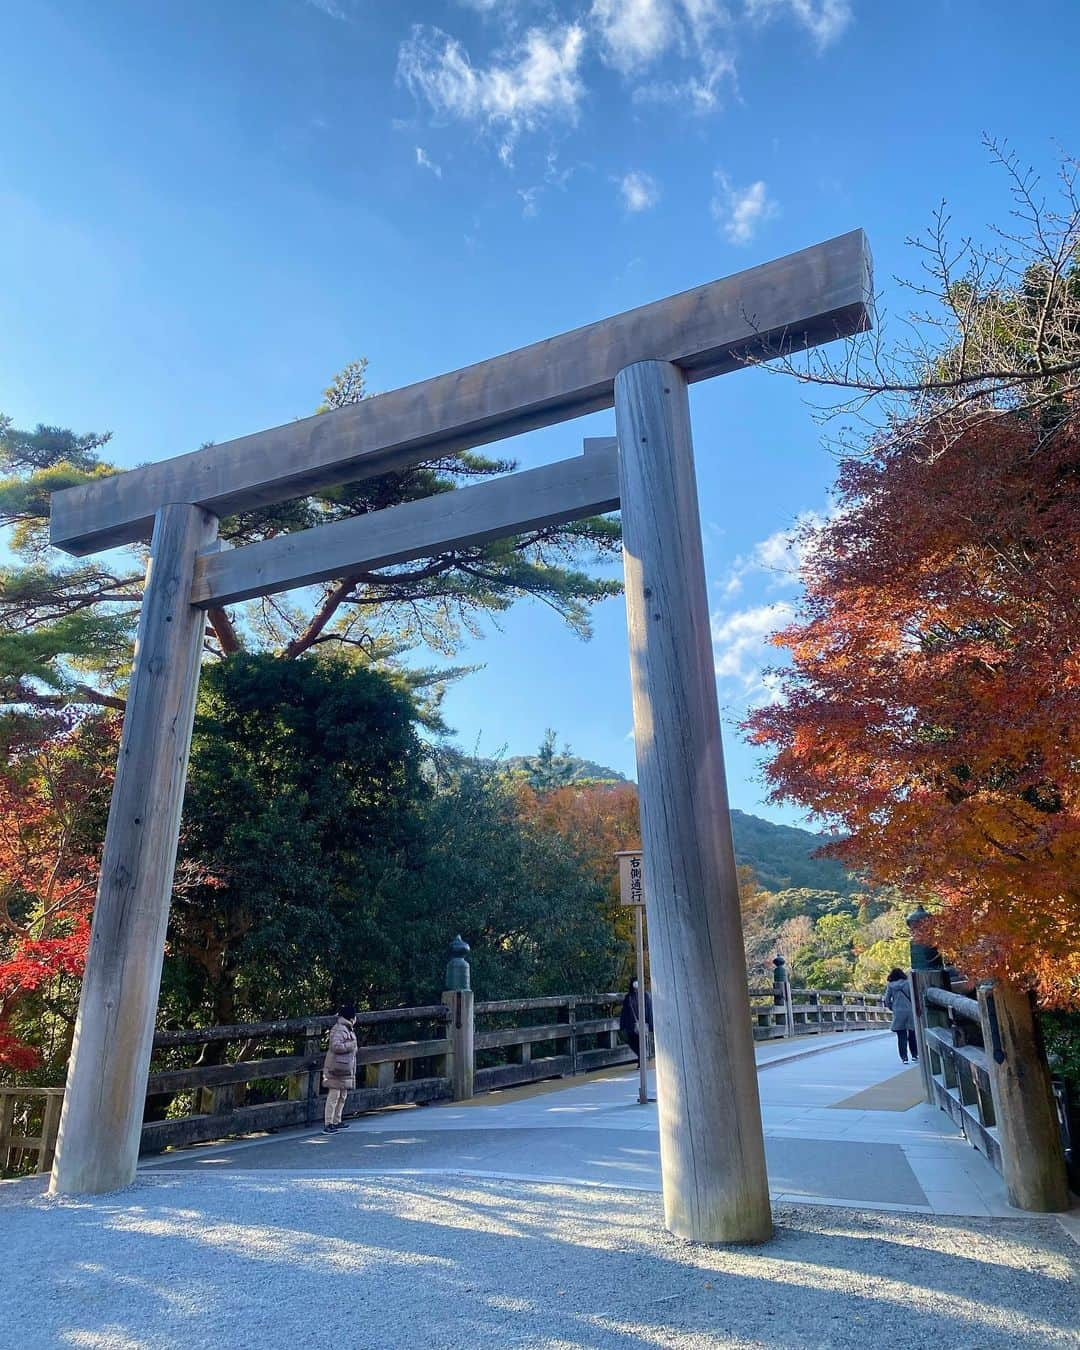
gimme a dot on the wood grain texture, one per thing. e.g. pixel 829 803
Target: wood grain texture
pixel 813 296
pixel 568 490
pixel 1033 1163
pixel 98 1147
pixel 711 1145
pixel 461 1061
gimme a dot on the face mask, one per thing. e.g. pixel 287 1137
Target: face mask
pixel 633 984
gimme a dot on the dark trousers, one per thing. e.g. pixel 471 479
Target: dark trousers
pixel 905 1041
pixel 633 1040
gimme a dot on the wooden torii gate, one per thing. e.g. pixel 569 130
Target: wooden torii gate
pixel 712 1150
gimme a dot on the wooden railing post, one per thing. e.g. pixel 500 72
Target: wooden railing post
pixel 789 1010
pixel 461 1031
pixel 1032 1156
pixel 304 1086
pixel 50 1125
pixel 921 980
pixel 7 1123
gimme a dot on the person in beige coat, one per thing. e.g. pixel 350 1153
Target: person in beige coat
pixel 339 1068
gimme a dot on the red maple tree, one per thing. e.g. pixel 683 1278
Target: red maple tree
pixel 931 711
pixel 53 785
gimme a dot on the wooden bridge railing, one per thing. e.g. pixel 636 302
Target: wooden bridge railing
pixel 29 1119
pixel 956 1068
pixel 983 1062
pixel 209 1083
pixel 264 1088
pixel 782 1011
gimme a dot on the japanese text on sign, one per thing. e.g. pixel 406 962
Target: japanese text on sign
pixel 631 878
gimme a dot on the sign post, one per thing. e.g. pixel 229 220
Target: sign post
pixel 632 892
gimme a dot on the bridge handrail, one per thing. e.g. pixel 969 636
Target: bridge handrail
pixel 268 1086
pixel 968 1008
pixel 436 1012
pixel 984 1064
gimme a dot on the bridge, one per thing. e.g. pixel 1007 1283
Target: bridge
pixel 530 1215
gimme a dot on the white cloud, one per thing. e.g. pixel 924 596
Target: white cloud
pixel 698 93
pixel 634 33
pixel 424 162
pixel 329 7
pixel 740 642
pixel 739 211
pixel 825 20
pixel 530 200
pixel 639 190
pixel 539 78
pixel 780 556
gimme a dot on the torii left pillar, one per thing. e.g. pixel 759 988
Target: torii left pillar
pixel 98 1145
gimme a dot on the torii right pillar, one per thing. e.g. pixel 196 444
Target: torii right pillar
pixel 712 1150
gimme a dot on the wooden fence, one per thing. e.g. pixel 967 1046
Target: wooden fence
pixel 956 1069
pixel 29 1119
pixel 212 1082
pixel 983 1063
pixel 781 1011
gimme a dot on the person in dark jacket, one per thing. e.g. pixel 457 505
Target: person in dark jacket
pixel 898 998
pixel 630 1017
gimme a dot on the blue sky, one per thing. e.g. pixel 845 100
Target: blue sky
pixel 207 209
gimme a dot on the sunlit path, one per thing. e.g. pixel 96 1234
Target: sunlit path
pixel 272 1260
pixel 842 1126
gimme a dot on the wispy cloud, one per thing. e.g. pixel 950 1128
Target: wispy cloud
pixel 530 200
pixel 537 79
pixel 333 9
pixel 825 20
pixel 779 557
pixel 639 190
pixel 634 35
pixel 739 211
pixel 741 650
pixel 424 162
pixel 696 94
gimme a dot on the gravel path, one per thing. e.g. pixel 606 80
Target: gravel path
pixel 372 1263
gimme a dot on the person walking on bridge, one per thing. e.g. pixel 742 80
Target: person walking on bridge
pixel 630 1017
pixel 339 1068
pixel 898 998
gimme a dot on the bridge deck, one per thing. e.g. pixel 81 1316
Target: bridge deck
pixel 843 1125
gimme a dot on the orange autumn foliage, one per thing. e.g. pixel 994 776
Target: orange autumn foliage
pixel 931 711
pixel 599 819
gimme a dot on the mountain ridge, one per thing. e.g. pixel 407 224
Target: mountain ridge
pixel 780 855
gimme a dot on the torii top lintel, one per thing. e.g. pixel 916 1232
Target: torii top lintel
pixel 810 297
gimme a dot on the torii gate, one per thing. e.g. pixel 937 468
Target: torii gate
pixel 711 1143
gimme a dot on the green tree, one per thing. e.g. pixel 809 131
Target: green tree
pixel 66 628
pixel 524 896
pixel 550 770
pixel 302 798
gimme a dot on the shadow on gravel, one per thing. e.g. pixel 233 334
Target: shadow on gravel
pixel 376 1262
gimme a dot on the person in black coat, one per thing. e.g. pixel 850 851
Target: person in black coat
pixel 630 1017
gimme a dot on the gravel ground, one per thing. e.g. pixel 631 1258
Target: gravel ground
pixel 371 1263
